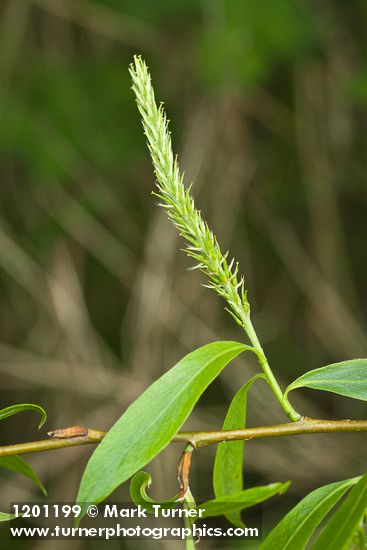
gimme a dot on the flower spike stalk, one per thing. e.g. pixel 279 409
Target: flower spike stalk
pixel 201 244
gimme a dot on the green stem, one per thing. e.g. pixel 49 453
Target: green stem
pixel 202 245
pixel 189 504
pixel 293 415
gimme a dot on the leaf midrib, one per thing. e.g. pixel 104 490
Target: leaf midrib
pixel 349 514
pixel 314 510
pixel 182 389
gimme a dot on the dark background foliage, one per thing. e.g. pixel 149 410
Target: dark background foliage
pixel 267 101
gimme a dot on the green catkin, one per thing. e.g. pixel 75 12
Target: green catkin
pixel 201 245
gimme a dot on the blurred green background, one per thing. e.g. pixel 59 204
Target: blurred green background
pixel 268 107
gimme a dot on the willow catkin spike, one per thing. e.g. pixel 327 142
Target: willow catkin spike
pixel 178 202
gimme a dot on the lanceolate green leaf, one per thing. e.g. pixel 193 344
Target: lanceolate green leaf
pixel 348 378
pixel 17 464
pixel 6 517
pixel 21 407
pixel 149 424
pixel 228 465
pixel 341 527
pixel 298 526
pixel 242 500
pixel 138 486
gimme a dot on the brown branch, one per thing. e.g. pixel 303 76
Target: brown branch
pixel 197 439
